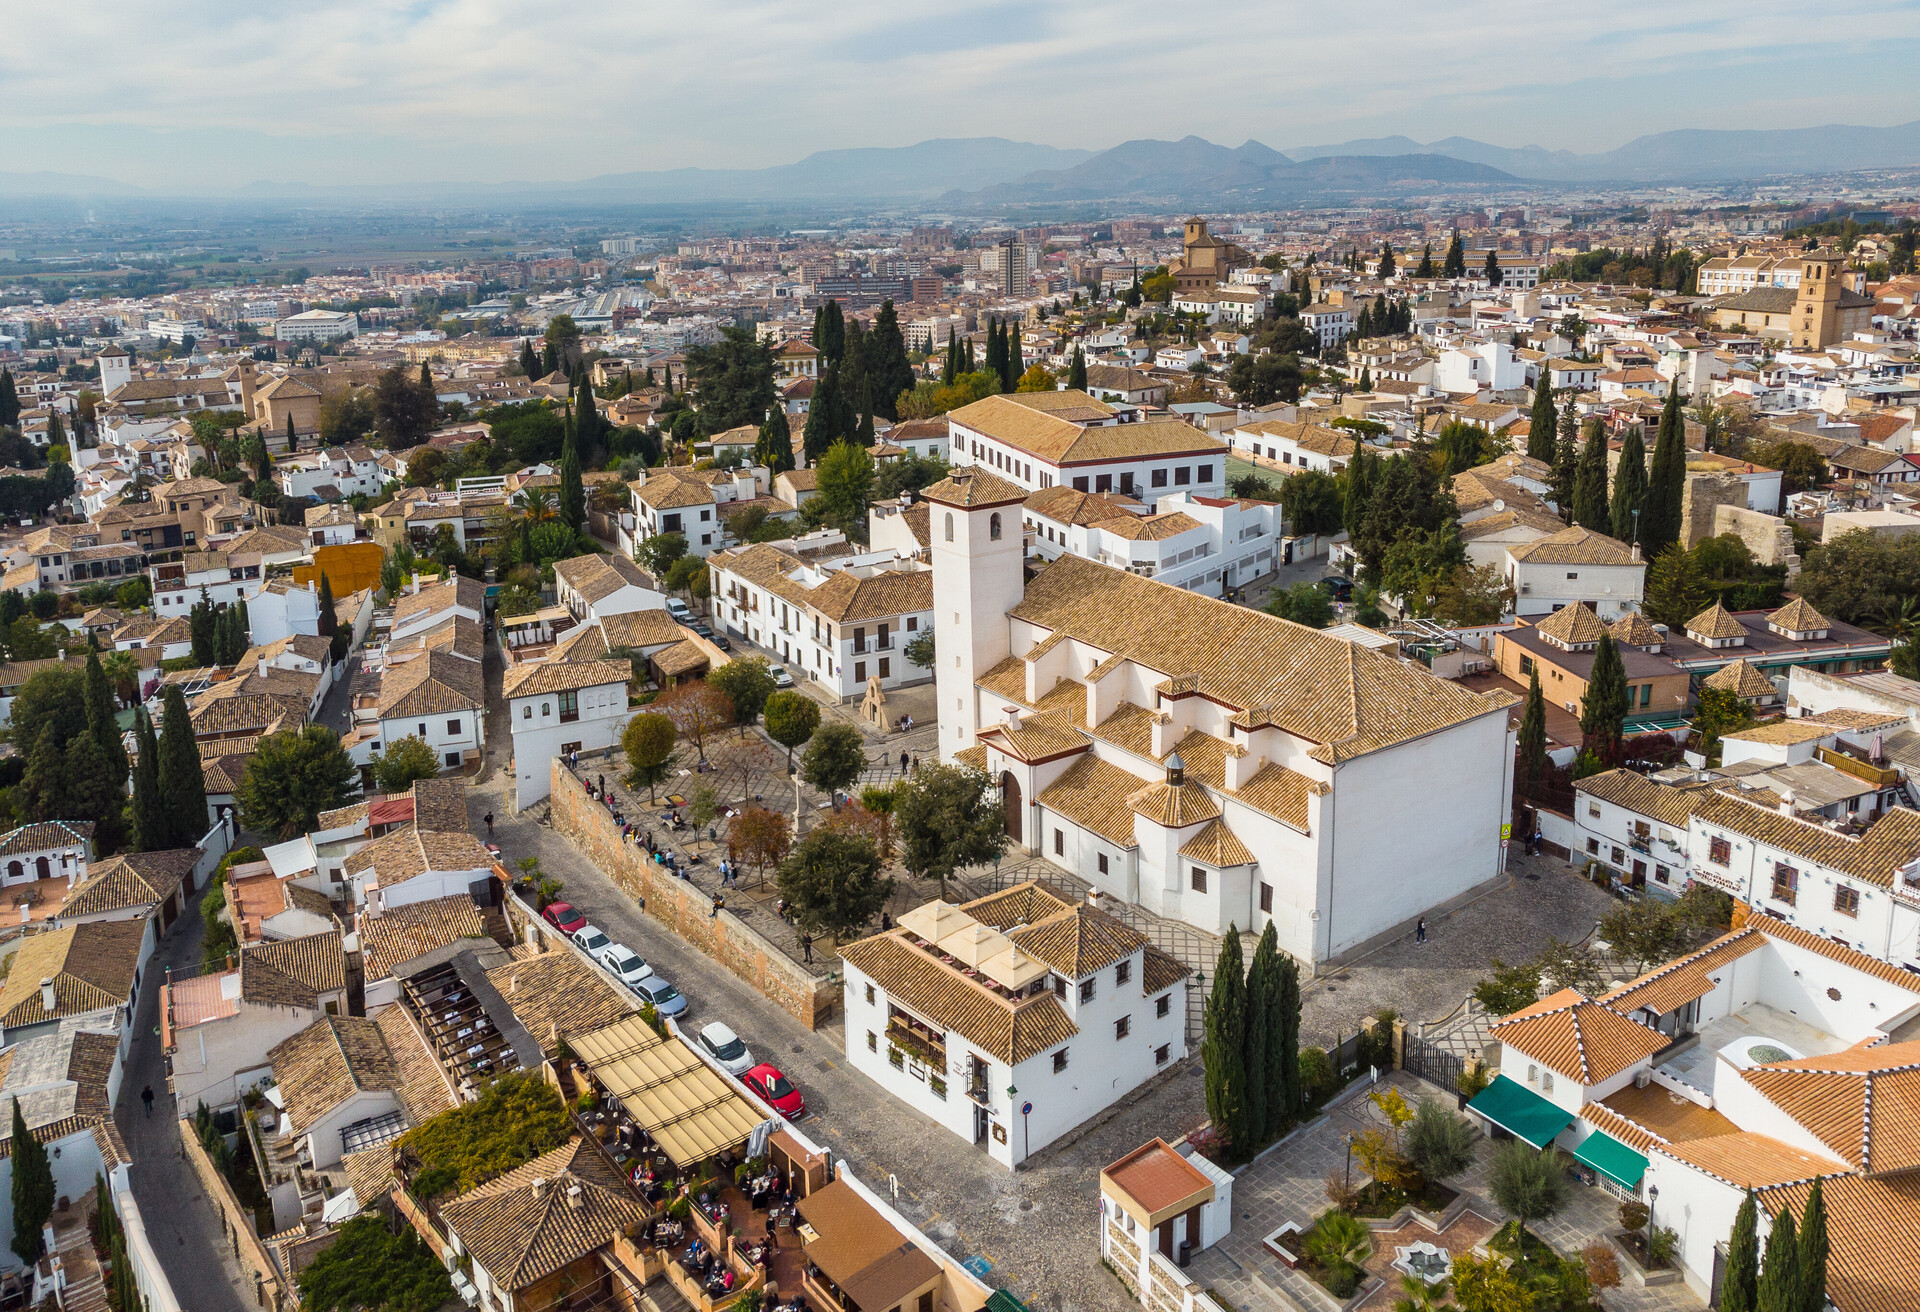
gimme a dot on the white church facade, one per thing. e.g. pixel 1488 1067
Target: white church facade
pixel 1212 764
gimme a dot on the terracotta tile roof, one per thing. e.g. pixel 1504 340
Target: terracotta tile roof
pixel 561 676
pixel 421 1083
pixel 519 1238
pixel 1149 528
pixel 1039 738
pixel 665 490
pixel 1749 1161
pixel 1065 504
pixel 467 594
pixel 1018 422
pixel 433 683
pixel 1635 630
pixel 1216 846
pixel 439 805
pixel 555 997
pixel 1093 794
pixel 133 880
pixel 847 598
pixel 1863 1103
pixel 948 999
pixel 599 575
pixel 327 1063
pixel 1781 732
pixel 1716 622
pixel 1345 698
pixel 973 486
pixel 1079 940
pixel 1678 982
pixel 1160 971
pixel 43 835
pixel 1665 1115
pixel 1888 845
pixel 91 966
pixel 408 851
pixel 1873 1236
pixel 293 972
pixel 1574 546
pixel 1846 956
pixel 405 932
pixel 1799 617
pixel 1573 625
pixel 1023 904
pixel 1174 808
pixel 1641 795
pixel 1577 1037
pixel 1741 679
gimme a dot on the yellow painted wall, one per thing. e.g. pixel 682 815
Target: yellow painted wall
pixel 349 567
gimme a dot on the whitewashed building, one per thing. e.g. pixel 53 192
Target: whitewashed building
pixel 557 707
pixel 1038 440
pixel 1205 544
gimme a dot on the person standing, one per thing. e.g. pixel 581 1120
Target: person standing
pixel 1420 930
pixel 489 819
pixel 806 948
pixel 146 1098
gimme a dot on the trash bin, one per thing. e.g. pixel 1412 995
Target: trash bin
pixel 1186 1252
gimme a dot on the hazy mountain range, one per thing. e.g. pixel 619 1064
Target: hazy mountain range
pixel 989 172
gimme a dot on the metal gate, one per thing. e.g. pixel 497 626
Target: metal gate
pixel 1433 1063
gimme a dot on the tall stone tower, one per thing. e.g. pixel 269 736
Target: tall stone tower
pixel 116 369
pixel 978 576
pixel 1816 310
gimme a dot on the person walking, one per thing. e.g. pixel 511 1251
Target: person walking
pixel 146 1098
pixel 903 760
pixel 1420 930
pixel 806 948
pixel 489 819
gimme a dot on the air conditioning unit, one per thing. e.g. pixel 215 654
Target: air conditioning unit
pixel 1641 1079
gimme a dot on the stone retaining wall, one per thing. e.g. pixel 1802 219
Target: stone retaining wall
pixel 237 1222
pixel 687 911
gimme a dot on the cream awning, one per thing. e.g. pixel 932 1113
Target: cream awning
pixel 690 1111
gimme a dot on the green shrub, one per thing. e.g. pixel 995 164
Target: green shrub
pixel 518 1117
pixel 1317 1076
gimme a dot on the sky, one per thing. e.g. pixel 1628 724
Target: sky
pixel 196 95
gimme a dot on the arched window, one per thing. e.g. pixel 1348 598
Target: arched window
pixel 949 526
pixel 15 871
pixel 993 526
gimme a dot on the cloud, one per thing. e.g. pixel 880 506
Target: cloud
pixel 214 95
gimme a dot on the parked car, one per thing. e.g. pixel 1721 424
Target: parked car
pixel 720 641
pixel 591 940
pixel 781 679
pixel 563 917
pixel 678 609
pixel 726 1048
pixel 1337 588
pixel 666 999
pixel 767 1081
pixel 702 628
pixel 624 962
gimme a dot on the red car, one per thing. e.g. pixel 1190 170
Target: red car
pixel 563 917
pixel 767 1081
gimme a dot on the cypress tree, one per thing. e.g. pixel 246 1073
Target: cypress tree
pixel 150 828
pixel 1740 1287
pixel 1492 270
pixel 44 785
pixel 328 620
pixel 775 448
pixel 1077 371
pixel 9 400
pixel 951 368
pixel 1258 1110
pixel 822 415
pixel 1813 1253
pixel 892 372
pixel 1533 735
pixel 573 495
pixel 1590 481
pixel 183 790
pixel 1545 423
pixel 1629 486
pixel 290 438
pixel 1360 473
pixel 1015 365
pixel 1604 709
pixel 529 362
pixel 100 718
pixel 996 358
pixel 1426 262
pixel 1780 1269
pixel 1386 259
pixel 1566 460
pixel 1225 1044
pixel 830 333
pixel 549 361
pixel 32 1189
pixel 95 793
pixel 1666 481
pixel 863 435
pixel 1287 1031
pixel 1456 262
pixel 971 368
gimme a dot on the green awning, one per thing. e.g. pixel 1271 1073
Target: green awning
pixel 1521 1112
pixel 1611 1158
pixel 1001 1300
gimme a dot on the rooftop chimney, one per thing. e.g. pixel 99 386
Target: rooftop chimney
pixel 1013 716
pixel 576 1198
pixel 539 1188
pixel 46 994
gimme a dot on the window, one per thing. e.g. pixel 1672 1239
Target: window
pixel 1103 863
pixel 1060 987
pixel 1661 875
pixel 1059 843
pixel 1162 1053
pixel 1546 1081
pixel 526 712
pixel 1059 1061
pixel 949 526
pixel 453 760
pixel 1205 474
pixel 1846 900
pixel 1526 666
pixel 873 1041
pixel 1159 478
pixel 423 729
pixel 1086 990
pixel 453 726
pixel 993 526
pixel 1182 476
pixel 1163 1004
pixel 1122 1027
pixel 870 999
pixel 859 641
pixel 569 706
pixel 1786 883
pixel 895 1056
pixel 913 623
pixel 1123 972
pixel 1719 851
pixel 1533 1073
pixel 1572 575
pixel 859 671
pixel 1593 810
pixel 886 667
pixel 1619 857
pixel 1593 847
pixel 1199 880
pixel 1103 483
pixel 1079 485
pixel 1266 898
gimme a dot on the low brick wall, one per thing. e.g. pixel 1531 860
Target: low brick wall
pixel 687 911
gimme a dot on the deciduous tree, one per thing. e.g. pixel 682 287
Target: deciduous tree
pixel 947 819
pixel 698 710
pixel 748 684
pixel 832 881
pixel 835 757
pixel 293 776
pixel 791 719
pixel 648 743
pixel 403 762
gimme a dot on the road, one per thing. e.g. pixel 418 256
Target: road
pixel 181 1221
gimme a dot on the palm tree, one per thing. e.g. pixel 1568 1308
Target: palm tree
pixel 540 503
pixel 1419 1296
pixel 1900 619
pixel 123 667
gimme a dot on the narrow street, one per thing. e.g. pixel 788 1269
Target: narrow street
pixel 181 1221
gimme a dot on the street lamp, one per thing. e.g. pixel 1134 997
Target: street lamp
pixel 1653 1196
pixel 1349 1139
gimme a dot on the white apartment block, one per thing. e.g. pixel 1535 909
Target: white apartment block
pixel 1210 763
pixel 1204 544
pixel 1012 1019
pixel 1332 324
pixel 1292 445
pixel 1037 440
pixel 831 612
pixel 1575 565
pixel 317 326
pixel 694 504
pixel 330 475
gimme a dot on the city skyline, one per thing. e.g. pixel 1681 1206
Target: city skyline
pixel 200 96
